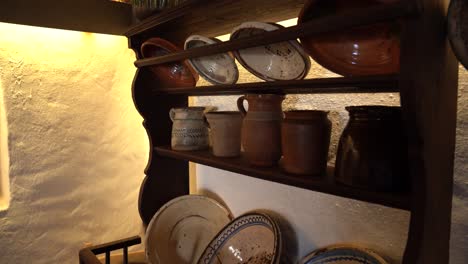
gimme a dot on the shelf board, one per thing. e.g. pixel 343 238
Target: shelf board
pixel 317 26
pixel 359 84
pixel 274 174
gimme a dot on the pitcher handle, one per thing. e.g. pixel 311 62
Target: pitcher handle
pixel 172 114
pixel 240 106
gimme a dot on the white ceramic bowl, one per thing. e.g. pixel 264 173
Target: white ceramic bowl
pixel 217 69
pixel 278 61
pixel 181 229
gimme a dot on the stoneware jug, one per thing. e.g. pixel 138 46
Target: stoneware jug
pixel 189 128
pixel 261 128
pixel 372 152
pixel 225 131
pixel 305 138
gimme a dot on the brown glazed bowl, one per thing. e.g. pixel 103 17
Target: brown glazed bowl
pixel 172 74
pixel 364 50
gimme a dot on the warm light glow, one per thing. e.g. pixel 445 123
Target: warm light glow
pixel 4 158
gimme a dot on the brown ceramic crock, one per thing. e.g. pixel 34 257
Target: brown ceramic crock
pixel 305 138
pixel 261 128
pixel 225 128
pixel 372 150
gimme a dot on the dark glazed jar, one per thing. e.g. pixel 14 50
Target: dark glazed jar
pixel 305 139
pixel 372 152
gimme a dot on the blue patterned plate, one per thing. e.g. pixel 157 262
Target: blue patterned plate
pixel 251 238
pixel 343 255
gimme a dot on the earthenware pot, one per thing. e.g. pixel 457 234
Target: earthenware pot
pixel 305 138
pixel 173 74
pixel 364 50
pixel 189 128
pixel 372 152
pixel 261 128
pixel 457 23
pixel 225 128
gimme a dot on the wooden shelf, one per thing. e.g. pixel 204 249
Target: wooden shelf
pixel 317 26
pixel 324 185
pixel 361 84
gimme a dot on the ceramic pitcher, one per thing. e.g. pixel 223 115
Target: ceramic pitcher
pixel 225 128
pixel 261 128
pixel 189 129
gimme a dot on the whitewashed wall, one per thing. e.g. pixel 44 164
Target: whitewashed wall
pixel 77 147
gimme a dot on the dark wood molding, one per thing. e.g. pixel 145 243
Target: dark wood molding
pixel 98 16
pixel 322 184
pixel 359 84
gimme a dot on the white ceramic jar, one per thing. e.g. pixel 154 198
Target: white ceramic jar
pixel 189 129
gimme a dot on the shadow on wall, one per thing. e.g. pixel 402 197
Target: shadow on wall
pixel 4 160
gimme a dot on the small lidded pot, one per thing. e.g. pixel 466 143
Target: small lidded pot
pixel 372 152
pixel 305 139
pixel 189 128
pixel 225 127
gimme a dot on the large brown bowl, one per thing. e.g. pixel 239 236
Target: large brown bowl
pixel 365 50
pixel 173 74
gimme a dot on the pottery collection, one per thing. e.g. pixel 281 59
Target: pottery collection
pixel 189 129
pixel 372 150
pixel 261 128
pixel 305 138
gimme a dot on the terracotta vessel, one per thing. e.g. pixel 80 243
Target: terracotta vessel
pixel 305 138
pixel 364 50
pixel 225 128
pixel 173 74
pixel 261 128
pixel 372 152
pixel 189 129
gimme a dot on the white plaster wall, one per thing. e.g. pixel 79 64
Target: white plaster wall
pixel 77 147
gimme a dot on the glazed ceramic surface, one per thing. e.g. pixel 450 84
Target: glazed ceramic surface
pixel 218 68
pixel 305 138
pixel 261 128
pixel 458 29
pixel 365 50
pixel 252 238
pixel 278 61
pixel 189 129
pixel 225 128
pixel 174 74
pixel 372 151
pixel 180 231
pixel 343 255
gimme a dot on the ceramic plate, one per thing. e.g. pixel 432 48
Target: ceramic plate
pixel 345 254
pixel 458 29
pixel 278 61
pixel 252 238
pixel 182 228
pixel 217 69
pixel 365 50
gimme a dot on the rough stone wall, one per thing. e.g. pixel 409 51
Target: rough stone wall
pixel 77 146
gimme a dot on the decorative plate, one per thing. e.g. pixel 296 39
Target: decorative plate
pixel 458 29
pixel 343 254
pixel 278 61
pixel 217 69
pixel 364 50
pixel 251 238
pixel 182 228
pixel 173 74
